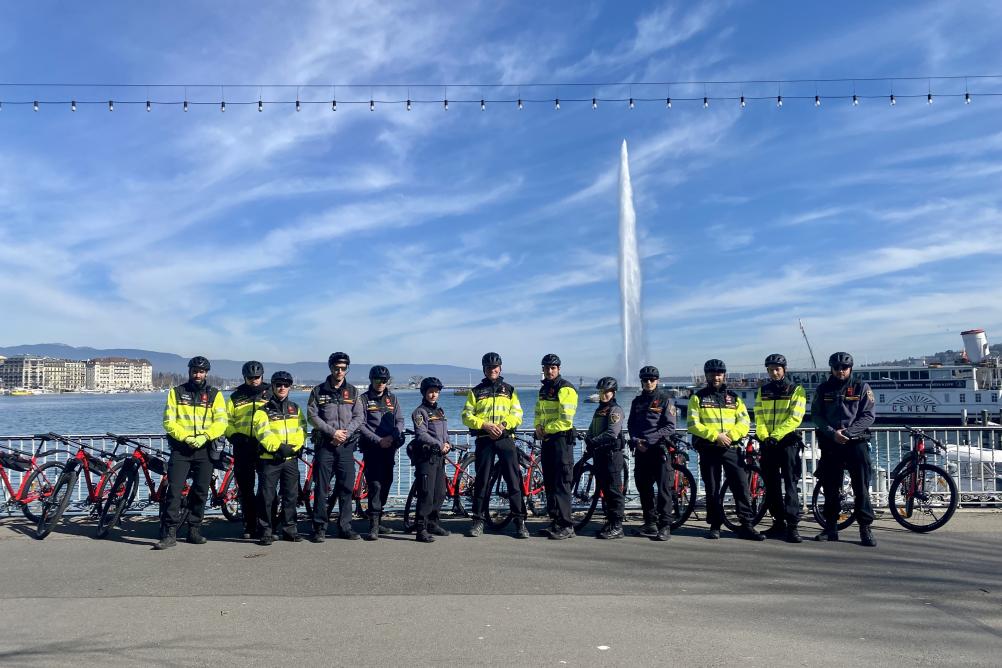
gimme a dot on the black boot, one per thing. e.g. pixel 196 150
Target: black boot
pixel 615 529
pixel 476 529
pixel 604 531
pixel 169 539
pixel 748 532
pixel 563 533
pixel 547 531
pixel 520 530
pixel 422 535
pixel 347 534
pixel 195 536
pixel 248 533
pixel 866 538
pixel 319 534
pixel 829 534
pixel 777 530
pixel 792 535
pixel 373 528
pixel 664 532
pixel 649 528
pixel 713 533
pixel 266 539
pixel 437 529
pixel 383 528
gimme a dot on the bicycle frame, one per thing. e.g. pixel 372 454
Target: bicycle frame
pixel 17 496
pixel 87 463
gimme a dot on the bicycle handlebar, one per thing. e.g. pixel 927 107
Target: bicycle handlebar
pixel 935 441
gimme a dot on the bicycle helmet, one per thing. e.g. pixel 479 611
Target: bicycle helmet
pixel 200 363
pixel 606 384
pixel 281 377
pixel 775 360
pixel 338 357
pixel 714 366
pixel 550 360
pixel 840 359
pixel 430 383
pixel 649 373
pixel 379 372
pixel 252 369
pixel 490 360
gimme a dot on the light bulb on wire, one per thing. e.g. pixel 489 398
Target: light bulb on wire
pixel 742 101
pixel 372 104
pixel 817 100
pixel 668 102
pixel 73 105
pixel 483 105
pixel 556 104
pixel 779 101
pixel 594 103
pixel 967 98
pixel 706 102
pixel 149 106
pixel 631 103
pixel 111 105
pixel 520 103
pixel 34 105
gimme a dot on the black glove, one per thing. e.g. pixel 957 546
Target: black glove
pixel 589 444
pixel 770 442
pixel 284 451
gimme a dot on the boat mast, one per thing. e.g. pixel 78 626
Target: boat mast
pixel 804 332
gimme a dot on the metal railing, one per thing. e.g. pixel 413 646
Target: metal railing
pixel 974 459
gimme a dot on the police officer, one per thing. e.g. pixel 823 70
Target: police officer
pixel 779 410
pixel 280 428
pixel 554 422
pixel 427 452
pixel 382 432
pixel 194 415
pixel 336 415
pixel 604 441
pixel 246 400
pixel 651 426
pixel 493 412
pixel 842 411
pixel 718 421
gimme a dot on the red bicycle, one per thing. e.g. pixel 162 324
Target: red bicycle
pixel 458 486
pixel 533 491
pixel 102 464
pixel 756 489
pixel 359 490
pixel 37 480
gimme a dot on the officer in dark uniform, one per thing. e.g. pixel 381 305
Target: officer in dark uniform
pixel 842 412
pixel 718 421
pixel 382 433
pixel 779 409
pixel 554 422
pixel 427 452
pixel 280 428
pixel 651 426
pixel 194 415
pixel 604 441
pixel 246 400
pixel 336 415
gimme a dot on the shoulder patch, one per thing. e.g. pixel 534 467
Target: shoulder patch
pixel 419 420
pixel 672 410
pixel 615 417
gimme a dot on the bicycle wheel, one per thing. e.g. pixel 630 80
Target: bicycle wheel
pixel 54 507
pixel 410 508
pixel 535 503
pixel 41 482
pixel 230 500
pixel 498 506
pixel 462 495
pixel 847 504
pixel 683 497
pixel 933 503
pixel 119 495
pixel 584 496
pixel 757 494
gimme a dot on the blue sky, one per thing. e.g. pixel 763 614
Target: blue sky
pixel 433 235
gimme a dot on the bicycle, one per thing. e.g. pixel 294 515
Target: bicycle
pixel 37 480
pixel 498 513
pixel 55 505
pixel 458 486
pixel 756 489
pixel 359 490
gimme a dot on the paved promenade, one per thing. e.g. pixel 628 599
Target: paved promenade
pixel 933 599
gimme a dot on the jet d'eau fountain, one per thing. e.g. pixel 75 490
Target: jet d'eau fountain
pixel 634 345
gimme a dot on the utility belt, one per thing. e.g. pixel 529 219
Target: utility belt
pixel 567 436
pixel 481 433
pixel 322 440
pixel 184 449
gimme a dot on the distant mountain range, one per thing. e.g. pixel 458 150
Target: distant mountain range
pixel 303 372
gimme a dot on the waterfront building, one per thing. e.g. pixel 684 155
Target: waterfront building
pixel 24 371
pixel 113 374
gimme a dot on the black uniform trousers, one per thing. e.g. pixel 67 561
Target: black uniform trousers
pixel 507 462
pixel 378 473
pixel 608 467
pixel 652 475
pixel 781 474
pixel 558 476
pixel 714 460
pixel 429 480
pixel 852 457
pixel 186 461
pixel 341 462
pixel 245 456
pixel 283 475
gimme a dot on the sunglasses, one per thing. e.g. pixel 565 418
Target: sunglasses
pixel 252 377
pixel 340 368
pixel 282 385
pixel 841 367
pixel 377 381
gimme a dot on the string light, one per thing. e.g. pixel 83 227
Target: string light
pixel 967 98
pixel 333 105
pixel 594 103
pixel 706 102
pixel 928 98
pixel 111 105
pixel 855 100
pixel 556 104
pixel 445 104
pixel 298 106
pixel 483 105
pixel 817 100
pixel 893 101
pixel 408 104
pixel 222 106
pixel 73 105
pixel 372 104
pixel 260 105
pixel 149 106
pixel 186 105
pixel 742 101
pixel 668 102
pixel 34 105
pixel 520 103
pixel 631 103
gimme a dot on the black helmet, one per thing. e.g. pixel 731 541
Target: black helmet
pixel 840 359
pixel 200 363
pixel 607 383
pixel 252 369
pixel 550 360
pixel 338 357
pixel 649 372
pixel 281 377
pixel 714 366
pixel 776 360
pixel 429 383
pixel 490 359
pixel 379 372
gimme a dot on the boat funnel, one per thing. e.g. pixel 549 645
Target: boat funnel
pixel 975 345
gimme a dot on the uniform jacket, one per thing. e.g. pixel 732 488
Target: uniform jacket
pixel 192 410
pixel 280 421
pixel 845 405
pixel 492 401
pixel 712 411
pixel 240 408
pixel 779 410
pixel 556 405
pixel 652 417
pixel 331 408
pixel 431 430
pixel 606 429
pixel 382 418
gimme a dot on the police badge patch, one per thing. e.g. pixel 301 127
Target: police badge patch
pixel 615 417
pixel 419 420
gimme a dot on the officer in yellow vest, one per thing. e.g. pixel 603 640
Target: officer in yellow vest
pixel 194 415
pixel 779 410
pixel 718 421
pixel 554 422
pixel 246 400
pixel 280 427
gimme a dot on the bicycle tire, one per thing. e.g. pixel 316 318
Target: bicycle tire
pixel 584 496
pixel 53 510
pixel 847 505
pixel 730 515
pixel 410 508
pixel 498 508
pixel 951 506
pixel 462 495
pixel 535 502
pixel 38 488
pixel 229 500
pixel 683 497
pixel 118 501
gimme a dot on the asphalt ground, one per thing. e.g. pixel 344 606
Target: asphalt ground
pixel 915 599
